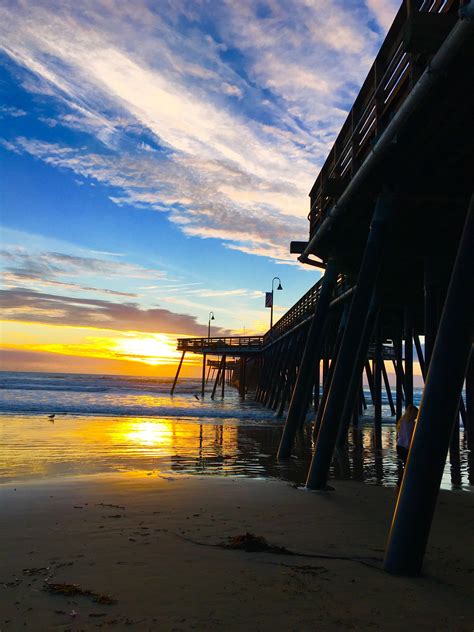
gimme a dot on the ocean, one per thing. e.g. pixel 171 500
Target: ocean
pixel 108 423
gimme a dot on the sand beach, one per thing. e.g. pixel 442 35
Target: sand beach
pixel 145 552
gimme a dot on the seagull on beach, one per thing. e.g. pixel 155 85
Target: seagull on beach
pixel 51 417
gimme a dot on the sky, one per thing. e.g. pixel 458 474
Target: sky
pixel 155 163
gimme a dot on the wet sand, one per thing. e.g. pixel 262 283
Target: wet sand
pixel 127 537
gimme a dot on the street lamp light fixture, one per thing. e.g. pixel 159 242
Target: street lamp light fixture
pixel 280 287
pixel 211 317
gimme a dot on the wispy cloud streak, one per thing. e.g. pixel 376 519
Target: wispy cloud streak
pixel 219 118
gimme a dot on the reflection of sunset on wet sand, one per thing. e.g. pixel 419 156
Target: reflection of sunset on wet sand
pixel 33 447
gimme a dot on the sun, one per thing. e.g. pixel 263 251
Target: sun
pixel 154 349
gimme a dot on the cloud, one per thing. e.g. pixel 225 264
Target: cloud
pixel 233 212
pixel 236 292
pixel 56 269
pixel 22 279
pixel 10 111
pixel 30 306
pixel 222 128
pixel 384 11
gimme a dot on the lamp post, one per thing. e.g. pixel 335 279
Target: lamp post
pixel 278 288
pixel 211 317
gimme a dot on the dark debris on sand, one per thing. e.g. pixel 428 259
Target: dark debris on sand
pixel 253 544
pixel 73 590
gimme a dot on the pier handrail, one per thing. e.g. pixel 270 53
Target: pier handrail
pixel 389 82
pixel 300 311
pixel 218 343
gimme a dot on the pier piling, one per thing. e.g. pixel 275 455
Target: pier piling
pixel 438 415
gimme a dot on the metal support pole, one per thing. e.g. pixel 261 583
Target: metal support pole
pixel 301 397
pixel 438 412
pixel 366 282
pixel 177 373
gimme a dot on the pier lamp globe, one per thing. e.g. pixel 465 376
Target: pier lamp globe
pixel 211 317
pixel 280 287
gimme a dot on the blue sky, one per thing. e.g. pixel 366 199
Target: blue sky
pixel 156 157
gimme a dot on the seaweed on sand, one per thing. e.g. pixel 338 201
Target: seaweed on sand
pixel 74 590
pixel 253 544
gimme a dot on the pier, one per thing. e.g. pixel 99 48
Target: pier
pixel 391 224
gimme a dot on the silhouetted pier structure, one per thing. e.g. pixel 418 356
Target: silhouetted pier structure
pixel 392 225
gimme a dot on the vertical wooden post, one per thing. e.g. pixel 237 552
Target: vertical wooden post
pixel 419 353
pixel 355 413
pixel 363 405
pixel 370 380
pixel 431 282
pixel 312 350
pixel 203 380
pixel 387 388
pixel 218 375
pixel 469 424
pixel 278 375
pixel 354 384
pixel 177 373
pixel 317 386
pixel 243 376
pixel 325 365
pixel 378 359
pixel 398 366
pixel 408 326
pixel 289 374
pixel 224 357
pixel 282 377
pixel 329 372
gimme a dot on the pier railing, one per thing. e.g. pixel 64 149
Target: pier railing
pixel 301 310
pixel 417 32
pixel 221 344
pixel 296 315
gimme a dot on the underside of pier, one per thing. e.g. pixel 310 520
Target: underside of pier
pixel 392 225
